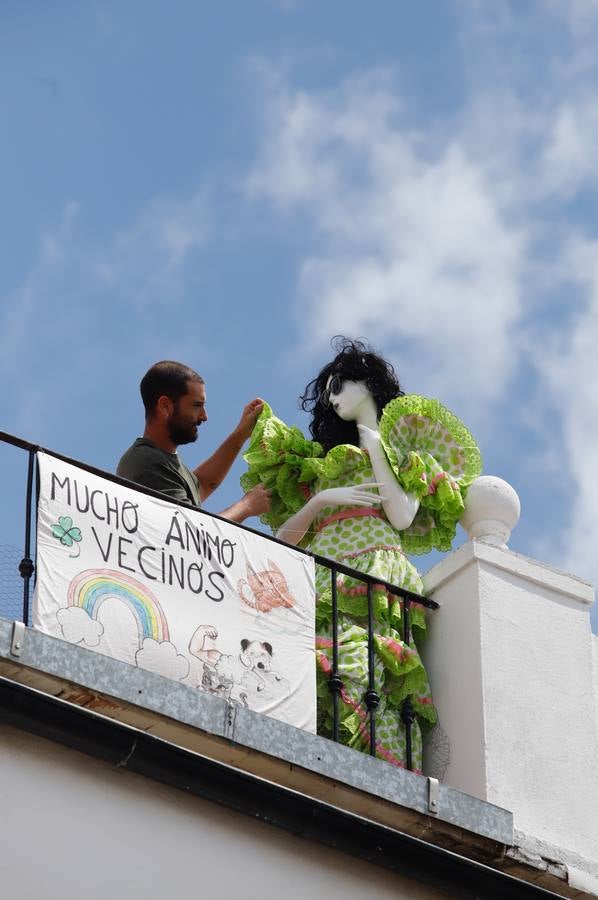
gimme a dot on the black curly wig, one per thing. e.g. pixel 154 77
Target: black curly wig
pixel 354 361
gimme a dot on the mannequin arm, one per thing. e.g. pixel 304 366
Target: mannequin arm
pixel 354 495
pixel 399 506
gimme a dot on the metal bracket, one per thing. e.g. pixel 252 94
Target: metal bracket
pixel 230 714
pixel 18 638
pixel 433 794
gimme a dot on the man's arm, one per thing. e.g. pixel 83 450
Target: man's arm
pixel 254 503
pixel 214 470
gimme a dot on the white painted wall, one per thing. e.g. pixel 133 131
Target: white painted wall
pixel 74 827
pixel 512 663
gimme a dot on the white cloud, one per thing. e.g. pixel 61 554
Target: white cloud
pixel 286 5
pixel 445 240
pixel 413 241
pixel 580 15
pixel 78 627
pixel 569 160
pixel 570 370
pixel 448 243
pixel 162 658
pixel 145 261
pixel 21 306
pixel 551 167
pixel 78 291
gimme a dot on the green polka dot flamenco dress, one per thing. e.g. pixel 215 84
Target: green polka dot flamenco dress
pixel 434 457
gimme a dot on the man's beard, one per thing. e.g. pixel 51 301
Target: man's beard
pixel 180 433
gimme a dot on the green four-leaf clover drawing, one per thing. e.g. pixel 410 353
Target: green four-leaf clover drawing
pixel 66 532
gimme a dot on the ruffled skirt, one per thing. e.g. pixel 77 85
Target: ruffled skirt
pixel 398 670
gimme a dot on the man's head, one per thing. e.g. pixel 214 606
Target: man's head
pixel 174 395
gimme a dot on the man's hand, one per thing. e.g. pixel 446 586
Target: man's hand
pixel 254 503
pixel 248 419
pixel 257 500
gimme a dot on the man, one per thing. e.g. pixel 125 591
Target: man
pixel 174 397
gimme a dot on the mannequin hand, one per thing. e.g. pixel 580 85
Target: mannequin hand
pixel 352 495
pixel 368 437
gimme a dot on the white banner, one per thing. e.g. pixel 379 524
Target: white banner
pixel 174 591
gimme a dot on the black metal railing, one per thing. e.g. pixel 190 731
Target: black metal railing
pixel 406 598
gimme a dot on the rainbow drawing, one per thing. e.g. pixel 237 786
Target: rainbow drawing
pixel 90 588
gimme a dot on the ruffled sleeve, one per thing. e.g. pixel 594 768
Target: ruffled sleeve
pixel 434 457
pixel 276 458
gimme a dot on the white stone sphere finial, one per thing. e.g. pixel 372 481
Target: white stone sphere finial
pixel 492 510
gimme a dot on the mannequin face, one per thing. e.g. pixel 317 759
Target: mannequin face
pixel 350 400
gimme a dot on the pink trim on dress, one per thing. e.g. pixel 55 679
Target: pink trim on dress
pixel 305 491
pixel 324 642
pixel 371 549
pixel 360 590
pixel 398 649
pixel 350 514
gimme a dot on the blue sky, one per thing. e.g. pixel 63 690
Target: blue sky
pixel 231 184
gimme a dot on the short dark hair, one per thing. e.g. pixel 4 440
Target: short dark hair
pixel 165 379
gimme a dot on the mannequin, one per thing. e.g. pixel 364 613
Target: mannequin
pixel 354 402
pixel 384 476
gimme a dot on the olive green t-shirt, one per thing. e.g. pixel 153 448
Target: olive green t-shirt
pixel 146 464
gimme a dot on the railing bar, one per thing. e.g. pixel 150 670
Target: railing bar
pixel 7 438
pixel 335 681
pixel 26 564
pixel 36 514
pixel 407 712
pixel 372 699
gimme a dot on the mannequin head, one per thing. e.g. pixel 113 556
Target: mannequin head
pixel 369 374
pixel 349 399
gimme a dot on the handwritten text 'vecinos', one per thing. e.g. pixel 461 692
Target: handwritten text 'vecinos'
pixel 203 573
